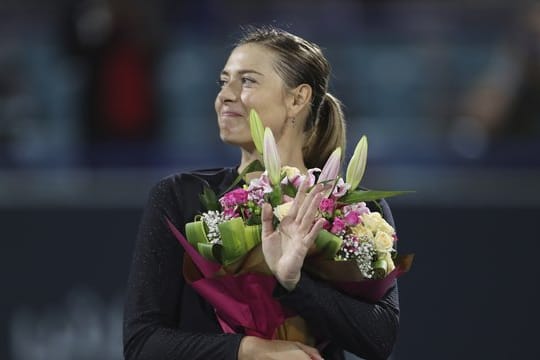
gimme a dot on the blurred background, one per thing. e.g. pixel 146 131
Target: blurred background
pixel 99 99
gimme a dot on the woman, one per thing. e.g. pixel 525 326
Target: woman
pixel 285 79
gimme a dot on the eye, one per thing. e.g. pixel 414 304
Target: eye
pixel 248 81
pixel 221 82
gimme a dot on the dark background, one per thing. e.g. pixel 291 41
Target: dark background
pixel 100 99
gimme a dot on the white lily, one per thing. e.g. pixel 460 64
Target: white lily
pixel 330 170
pixel 357 164
pixel 272 162
pixel 257 130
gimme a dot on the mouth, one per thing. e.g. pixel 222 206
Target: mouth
pixel 229 113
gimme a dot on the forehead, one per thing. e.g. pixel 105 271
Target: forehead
pixel 251 57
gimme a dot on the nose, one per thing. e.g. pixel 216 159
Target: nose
pixel 228 93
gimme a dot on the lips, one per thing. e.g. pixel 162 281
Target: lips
pixel 231 113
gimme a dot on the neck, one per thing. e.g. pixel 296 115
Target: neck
pixel 290 154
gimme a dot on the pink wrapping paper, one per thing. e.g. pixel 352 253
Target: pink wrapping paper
pixel 243 303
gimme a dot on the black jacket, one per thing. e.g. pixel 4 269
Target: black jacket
pixel 166 319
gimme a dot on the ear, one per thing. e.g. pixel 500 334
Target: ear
pixel 300 98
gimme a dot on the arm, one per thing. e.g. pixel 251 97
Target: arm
pixel 366 329
pixel 155 286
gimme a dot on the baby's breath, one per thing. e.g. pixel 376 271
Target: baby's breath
pixel 361 250
pixel 212 219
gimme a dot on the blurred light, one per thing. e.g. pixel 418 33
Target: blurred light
pixel 94 24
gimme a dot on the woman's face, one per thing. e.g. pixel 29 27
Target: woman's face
pixel 249 81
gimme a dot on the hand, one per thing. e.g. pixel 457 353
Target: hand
pixel 252 348
pixel 286 247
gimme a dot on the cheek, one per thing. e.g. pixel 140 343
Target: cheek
pixel 249 100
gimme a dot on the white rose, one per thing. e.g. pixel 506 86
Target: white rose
pixel 383 241
pixel 282 210
pixel 362 233
pixel 376 223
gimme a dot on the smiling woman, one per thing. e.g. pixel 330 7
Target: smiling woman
pixel 250 81
pixel 285 79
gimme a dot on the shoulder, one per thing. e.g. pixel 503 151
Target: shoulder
pixel 176 196
pixel 182 189
pixel 186 181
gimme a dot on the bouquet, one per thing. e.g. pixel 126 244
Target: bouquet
pixel 355 251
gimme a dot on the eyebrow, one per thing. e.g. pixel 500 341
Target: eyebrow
pixel 242 72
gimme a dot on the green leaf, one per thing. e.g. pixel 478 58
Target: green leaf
pixel 289 190
pixel 275 196
pixel 210 251
pixel 328 244
pixel 209 200
pixel 252 235
pixel 253 166
pixel 369 195
pixel 380 269
pixel 196 233
pixel 233 240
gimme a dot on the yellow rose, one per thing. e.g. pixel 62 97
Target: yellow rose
pixel 376 223
pixel 383 241
pixel 282 210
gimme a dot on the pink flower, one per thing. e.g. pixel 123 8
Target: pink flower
pixel 246 213
pixel 337 226
pixel 351 218
pixel 230 213
pixel 297 179
pixel 340 189
pixel 327 225
pixel 234 197
pixel 311 176
pixel 327 206
pixel 258 188
pixel 359 208
pixel 330 169
pixel 261 182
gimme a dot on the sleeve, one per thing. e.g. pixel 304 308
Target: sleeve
pixel 155 285
pixel 366 329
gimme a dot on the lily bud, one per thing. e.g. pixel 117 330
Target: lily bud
pixel 272 163
pixel 330 170
pixel 257 130
pixel 357 164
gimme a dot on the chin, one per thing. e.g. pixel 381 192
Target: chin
pixel 234 138
pixel 241 142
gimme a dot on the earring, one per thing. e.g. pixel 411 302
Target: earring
pixel 293 122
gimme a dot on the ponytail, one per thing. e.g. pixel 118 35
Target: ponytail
pixel 326 134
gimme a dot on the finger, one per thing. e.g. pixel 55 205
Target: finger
pixel 312 207
pixel 311 351
pixel 318 189
pixel 307 201
pixel 299 198
pixel 266 220
pixel 309 239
